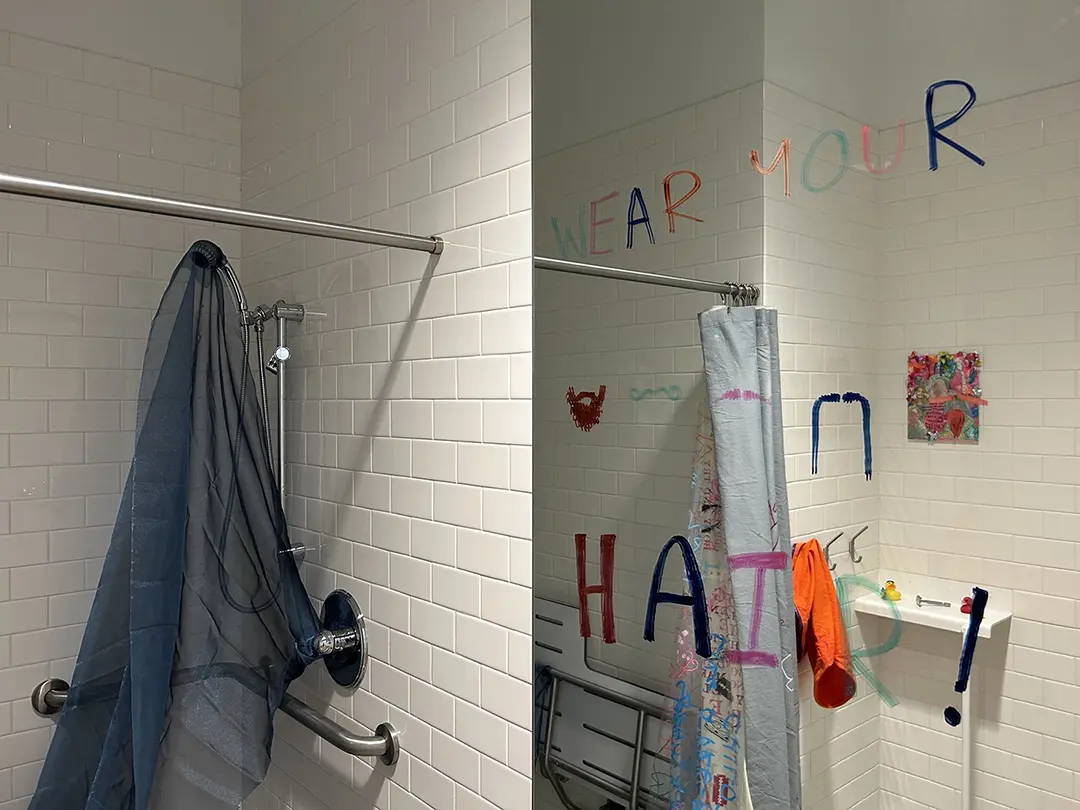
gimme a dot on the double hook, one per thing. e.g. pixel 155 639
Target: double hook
pixel 851 548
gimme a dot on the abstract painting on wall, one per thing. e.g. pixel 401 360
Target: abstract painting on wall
pixel 944 397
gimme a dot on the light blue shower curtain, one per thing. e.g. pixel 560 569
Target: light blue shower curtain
pixel 736 725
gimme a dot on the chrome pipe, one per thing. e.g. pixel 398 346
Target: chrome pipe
pixel 635 770
pixel 143 203
pixel 49 697
pixel 282 336
pixel 229 274
pixel 748 291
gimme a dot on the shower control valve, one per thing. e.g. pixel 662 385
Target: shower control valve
pixel 343 643
pixel 332 641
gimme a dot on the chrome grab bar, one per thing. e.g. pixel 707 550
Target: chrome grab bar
pixel 49 698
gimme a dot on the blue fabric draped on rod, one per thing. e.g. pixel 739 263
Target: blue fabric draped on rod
pixel 199 623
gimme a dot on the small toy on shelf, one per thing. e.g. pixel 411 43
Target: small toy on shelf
pixel 890 592
pixel 965 606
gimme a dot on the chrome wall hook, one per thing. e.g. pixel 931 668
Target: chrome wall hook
pixel 851 545
pixel 830 563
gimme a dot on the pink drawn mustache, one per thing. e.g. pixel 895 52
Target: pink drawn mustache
pixel 743 394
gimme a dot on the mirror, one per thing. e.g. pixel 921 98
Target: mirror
pixel 900 183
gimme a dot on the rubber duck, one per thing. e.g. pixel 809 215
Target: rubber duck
pixel 890 592
pixel 965 606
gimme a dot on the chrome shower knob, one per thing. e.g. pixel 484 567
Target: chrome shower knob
pixel 343 641
pixel 329 642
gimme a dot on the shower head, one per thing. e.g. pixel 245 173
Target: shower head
pixel 281 354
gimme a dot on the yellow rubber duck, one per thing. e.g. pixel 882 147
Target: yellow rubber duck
pixel 890 592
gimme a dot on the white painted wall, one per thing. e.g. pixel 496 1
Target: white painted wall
pixel 199 38
pixel 873 61
pixel 601 67
pixel 606 64
pixel 274 28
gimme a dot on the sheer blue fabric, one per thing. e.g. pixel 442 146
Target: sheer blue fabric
pixel 200 622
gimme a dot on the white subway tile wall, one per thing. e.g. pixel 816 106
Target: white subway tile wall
pixel 820 274
pixel 80 287
pixel 863 273
pixel 985 258
pixel 409 444
pixel 630 475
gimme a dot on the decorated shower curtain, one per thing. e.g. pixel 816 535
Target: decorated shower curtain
pixel 735 722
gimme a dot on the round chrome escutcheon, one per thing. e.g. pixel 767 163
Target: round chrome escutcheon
pixel 341 614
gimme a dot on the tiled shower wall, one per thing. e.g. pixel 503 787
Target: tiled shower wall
pixel 78 292
pixel 985 258
pixel 821 275
pixel 630 474
pixel 410 402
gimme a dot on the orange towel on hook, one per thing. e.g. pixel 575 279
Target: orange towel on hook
pixel 824 639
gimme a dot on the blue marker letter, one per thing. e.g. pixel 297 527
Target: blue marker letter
pixel 696 599
pixel 636 198
pixel 934 130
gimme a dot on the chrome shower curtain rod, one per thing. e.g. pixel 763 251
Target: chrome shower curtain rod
pixel 105 198
pixel 747 292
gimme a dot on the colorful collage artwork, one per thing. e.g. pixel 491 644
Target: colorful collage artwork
pixel 944 397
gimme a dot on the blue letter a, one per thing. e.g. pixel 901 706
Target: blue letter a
pixel 631 221
pixel 696 599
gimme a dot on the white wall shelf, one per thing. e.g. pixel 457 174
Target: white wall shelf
pixel 942 618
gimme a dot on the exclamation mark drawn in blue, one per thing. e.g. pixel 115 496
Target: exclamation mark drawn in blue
pixel 978 607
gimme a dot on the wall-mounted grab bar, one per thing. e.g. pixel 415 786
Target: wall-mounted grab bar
pixel 49 698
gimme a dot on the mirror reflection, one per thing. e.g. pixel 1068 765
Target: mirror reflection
pixel 805 394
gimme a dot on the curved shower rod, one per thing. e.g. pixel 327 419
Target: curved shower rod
pixel 50 696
